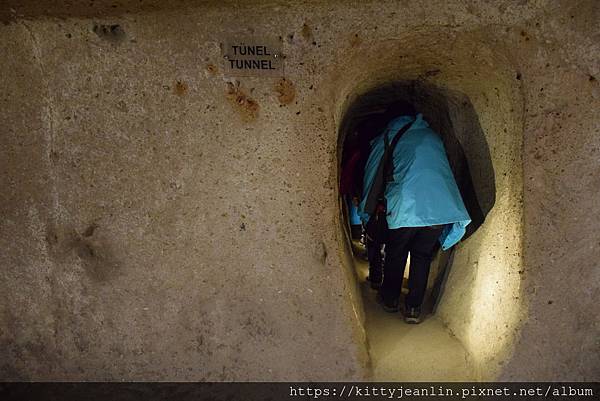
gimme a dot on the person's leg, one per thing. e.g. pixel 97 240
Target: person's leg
pixel 421 247
pixel 396 252
pixel 375 263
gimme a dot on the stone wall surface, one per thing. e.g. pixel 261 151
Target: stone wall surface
pixel 161 221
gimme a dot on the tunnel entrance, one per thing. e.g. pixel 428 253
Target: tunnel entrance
pixel 453 117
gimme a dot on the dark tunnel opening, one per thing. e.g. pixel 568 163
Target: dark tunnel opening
pixel 453 117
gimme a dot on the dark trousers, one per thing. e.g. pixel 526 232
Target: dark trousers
pixel 420 242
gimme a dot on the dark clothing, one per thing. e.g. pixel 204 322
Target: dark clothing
pixel 421 243
pixel 375 261
pixel 352 172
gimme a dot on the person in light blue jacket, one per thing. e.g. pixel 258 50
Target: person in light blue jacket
pixel 424 206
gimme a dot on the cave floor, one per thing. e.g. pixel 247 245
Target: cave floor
pixel 404 352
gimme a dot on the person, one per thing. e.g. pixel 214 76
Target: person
pixel 424 206
pixel 354 159
pixel 350 188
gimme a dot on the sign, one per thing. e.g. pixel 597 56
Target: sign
pixel 252 57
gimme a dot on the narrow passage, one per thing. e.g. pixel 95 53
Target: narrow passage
pixel 408 352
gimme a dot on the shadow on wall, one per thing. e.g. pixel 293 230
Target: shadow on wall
pixel 452 115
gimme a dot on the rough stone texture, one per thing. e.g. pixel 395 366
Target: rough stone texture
pixel 155 227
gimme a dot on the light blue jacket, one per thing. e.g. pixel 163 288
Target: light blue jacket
pixel 423 192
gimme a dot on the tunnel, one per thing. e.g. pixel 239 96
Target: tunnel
pixel 433 103
pixel 472 303
pixel 476 182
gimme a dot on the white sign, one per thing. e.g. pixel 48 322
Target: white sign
pixel 252 57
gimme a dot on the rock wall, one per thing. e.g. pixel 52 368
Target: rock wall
pixel 161 221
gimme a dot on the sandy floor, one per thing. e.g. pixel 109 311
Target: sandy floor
pixel 404 352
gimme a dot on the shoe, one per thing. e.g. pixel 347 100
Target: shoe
pixel 412 315
pixel 388 306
